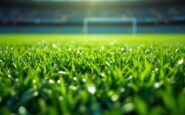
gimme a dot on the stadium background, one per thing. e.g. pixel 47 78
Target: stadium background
pixel 68 16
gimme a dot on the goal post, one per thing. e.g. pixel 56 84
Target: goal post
pixel 132 21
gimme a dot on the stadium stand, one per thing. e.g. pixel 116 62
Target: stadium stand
pixel 153 18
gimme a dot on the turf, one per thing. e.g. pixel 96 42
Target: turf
pixel 104 74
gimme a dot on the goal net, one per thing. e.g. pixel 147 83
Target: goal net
pixel 108 25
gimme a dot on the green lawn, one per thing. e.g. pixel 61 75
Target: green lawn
pixel 92 74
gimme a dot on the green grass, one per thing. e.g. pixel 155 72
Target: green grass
pixel 97 74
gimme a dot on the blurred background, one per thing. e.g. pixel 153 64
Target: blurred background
pixel 92 16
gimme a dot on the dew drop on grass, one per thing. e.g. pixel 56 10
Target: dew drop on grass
pixel 107 63
pixel 114 98
pixel 102 48
pixel 111 61
pixel 157 85
pixel 102 74
pixel 59 49
pixel 73 87
pixel 122 90
pixel 122 49
pixel 60 98
pixel 74 78
pixel 35 93
pixel 22 110
pixel 17 79
pixel 112 53
pixel 180 62
pixel 84 80
pixel 92 89
pixel 58 81
pixel 130 49
pixel 51 81
pixel 130 77
pixel 34 81
pixel 70 49
pixel 156 69
pixel 62 72
pixel 128 107
pixel 9 76
pixel 54 46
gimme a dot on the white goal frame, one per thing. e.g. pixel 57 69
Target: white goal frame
pixel 133 22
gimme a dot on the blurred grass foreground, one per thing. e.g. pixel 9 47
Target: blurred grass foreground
pixel 78 74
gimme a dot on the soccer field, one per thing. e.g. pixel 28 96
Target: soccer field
pixel 92 74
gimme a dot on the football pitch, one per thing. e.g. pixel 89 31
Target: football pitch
pixel 92 74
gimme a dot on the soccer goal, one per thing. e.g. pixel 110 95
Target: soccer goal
pixel 132 22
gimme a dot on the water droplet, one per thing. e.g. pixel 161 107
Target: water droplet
pixel 128 107
pixel 35 93
pixel 62 72
pixel 34 81
pixel 22 110
pixel 102 74
pixel 60 98
pixel 92 89
pixel 51 81
pixel 70 49
pixel 54 46
pixel 180 61
pixel 122 49
pixel 17 79
pixel 83 80
pixel 107 63
pixel 9 76
pixel 102 48
pixel 122 90
pixel 112 53
pixel 130 49
pixel 58 81
pixel 114 97
pixel 73 87
pixel 130 77
pixel 157 85
pixel 156 69
pixel 74 78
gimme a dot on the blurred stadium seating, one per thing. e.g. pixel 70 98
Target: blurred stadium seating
pixel 65 17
